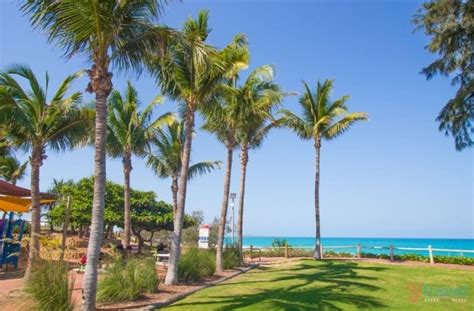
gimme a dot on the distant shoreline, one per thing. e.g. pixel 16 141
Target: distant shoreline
pixel 355 237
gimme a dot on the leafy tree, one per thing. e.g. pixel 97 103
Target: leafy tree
pixel 164 157
pixel 11 170
pixel 149 215
pixel 35 123
pixel 190 71
pixel 322 119
pixel 449 24
pixel 107 32
pixel 129 133
pixel 81 194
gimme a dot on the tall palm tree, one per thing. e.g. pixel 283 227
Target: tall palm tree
pixel 107 32
pixel 12 170
pixel 222 117
pixel 322 119
pixel 129 133
pixel 220 121
pixel 190 71
pixel 165 157
pixel 259 96
pixel 36 123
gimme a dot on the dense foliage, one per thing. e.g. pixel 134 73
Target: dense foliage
pixel 148 214
pixel 231 257
pixel 126 280
pixel 450 26
pixel 49 286
pixel 196 264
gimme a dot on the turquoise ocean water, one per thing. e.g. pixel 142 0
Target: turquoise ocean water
pixel 368 244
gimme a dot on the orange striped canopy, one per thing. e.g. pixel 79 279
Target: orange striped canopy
pixel 18 199
pixel 18 205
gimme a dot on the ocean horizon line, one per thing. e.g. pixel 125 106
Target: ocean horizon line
pixel 357 237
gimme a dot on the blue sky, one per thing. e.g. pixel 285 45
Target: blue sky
pixel 394 176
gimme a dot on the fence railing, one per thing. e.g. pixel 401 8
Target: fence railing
pixel 359 248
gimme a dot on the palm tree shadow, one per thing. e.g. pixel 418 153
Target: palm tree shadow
pixel 326 286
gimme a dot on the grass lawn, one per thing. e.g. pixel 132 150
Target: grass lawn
pixel 338 285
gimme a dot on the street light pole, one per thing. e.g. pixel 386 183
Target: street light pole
pixel 232 197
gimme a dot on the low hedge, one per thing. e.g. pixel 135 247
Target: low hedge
pixel 295 252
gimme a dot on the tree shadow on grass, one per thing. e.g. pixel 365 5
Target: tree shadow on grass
pixel 327 285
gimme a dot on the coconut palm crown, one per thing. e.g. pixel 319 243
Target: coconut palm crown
pixel 12 170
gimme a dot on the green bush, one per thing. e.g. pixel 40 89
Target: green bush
pixel 334 254
pixel 231 258
pixel 280 243
pixel 458 260
pixel 196 264
pixel 49 285
pixel 127 279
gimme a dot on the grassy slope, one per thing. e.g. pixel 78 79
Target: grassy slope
pixel 332 285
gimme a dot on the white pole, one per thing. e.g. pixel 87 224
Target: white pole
pixel 233 223
pixel 430 251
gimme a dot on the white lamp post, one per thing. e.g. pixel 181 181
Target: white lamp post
pixel 232 197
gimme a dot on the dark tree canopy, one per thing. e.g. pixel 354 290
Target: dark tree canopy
pixel 148 214
pixel 450 26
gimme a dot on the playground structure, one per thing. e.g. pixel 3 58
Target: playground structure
pixel 14 201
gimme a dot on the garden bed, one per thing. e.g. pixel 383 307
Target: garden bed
pixel 168 294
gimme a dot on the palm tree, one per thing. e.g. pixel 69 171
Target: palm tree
pixel 322 119
pixel 11 170
pixel 129 133
pixel 220 121
pixel 165 158
pixel 107 32
pixel 222 117
pixel 258 96
pixel 33 123
pixel 5 145
pixel 190 71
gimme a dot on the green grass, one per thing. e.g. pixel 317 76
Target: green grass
pixel 336 285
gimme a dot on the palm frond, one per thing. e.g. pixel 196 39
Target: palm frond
pixel 202 168
pixel 344 124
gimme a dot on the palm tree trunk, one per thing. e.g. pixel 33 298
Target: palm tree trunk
pixel 101 85
pixel 244 158
pixel 224 206
pixel 127 168
pixel 175 251
pixel 174 191
pixel 317 252
pixel 36 159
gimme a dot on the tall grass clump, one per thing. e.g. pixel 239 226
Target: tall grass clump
pixel 127 280
pixel 49 286
pixel 196 264
pixel 231 258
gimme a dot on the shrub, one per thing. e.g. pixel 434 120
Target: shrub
pixel 231 258
pixel 50 242
pixel 126 280
pixel 280 243
pixel 49 285
pixel 196 264
pixel 334 254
